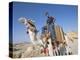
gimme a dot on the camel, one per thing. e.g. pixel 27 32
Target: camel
pixel 31 30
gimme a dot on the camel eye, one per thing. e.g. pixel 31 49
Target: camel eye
pixel 47 42
pixel 27 32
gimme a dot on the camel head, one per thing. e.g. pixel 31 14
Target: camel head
pixel 26 21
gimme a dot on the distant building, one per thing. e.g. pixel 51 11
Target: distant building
pixel 59 33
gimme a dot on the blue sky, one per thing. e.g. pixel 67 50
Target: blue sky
pixel 66 16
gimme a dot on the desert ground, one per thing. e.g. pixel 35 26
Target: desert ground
pixel 23 50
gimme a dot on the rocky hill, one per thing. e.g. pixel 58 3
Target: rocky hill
pixel 22 50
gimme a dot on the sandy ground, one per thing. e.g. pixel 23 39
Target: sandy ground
pixel 24 50
pixel 75 47
pixel 27 50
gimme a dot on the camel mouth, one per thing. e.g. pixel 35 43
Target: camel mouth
pixel 22 20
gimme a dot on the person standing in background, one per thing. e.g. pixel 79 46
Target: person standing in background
pixel 51 26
